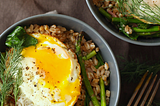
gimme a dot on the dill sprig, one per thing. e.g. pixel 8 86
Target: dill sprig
pixel 133 70
pixel 156 102
pixel 18 82
pixel 140 9
pixel 10 73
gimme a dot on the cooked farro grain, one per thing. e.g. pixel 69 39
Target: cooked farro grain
pixel 106 66
pixel 94 82
pixel 93 68
pixel 97 87
pixel 90 76
pixel 107 93
pixel 102 72
pixel 128 29
pixel 104 77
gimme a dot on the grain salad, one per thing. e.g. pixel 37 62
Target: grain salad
pixel 135 19
pixel 42 50
pixel 69 37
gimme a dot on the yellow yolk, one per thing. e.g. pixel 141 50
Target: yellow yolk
pixel 50 64
pixel 55 68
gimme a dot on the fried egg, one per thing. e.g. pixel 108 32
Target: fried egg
pixel 147 6
pixel 51 74
pixel 152 2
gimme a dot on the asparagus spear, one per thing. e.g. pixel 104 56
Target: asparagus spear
pixel 87 99
pixel 152 29
pixel 125 20
pixel 90 55
pixel 144 25
pixel 144 33
pixel 116 19
pixel 153 36
pixel 106 14
pixel 100 59
pixel 103 94
pixel 98 65
pixel 85 78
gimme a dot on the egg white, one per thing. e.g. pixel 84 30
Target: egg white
pixel 152 2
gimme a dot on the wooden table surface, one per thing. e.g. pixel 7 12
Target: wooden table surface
pixel 12 11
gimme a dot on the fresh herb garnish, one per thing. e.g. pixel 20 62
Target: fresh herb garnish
pixel 10 66
pixel 17 35
pixel 156 103
pixel 132 70
pixel 140 9
pixel 10 73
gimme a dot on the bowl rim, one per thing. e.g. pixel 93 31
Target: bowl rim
pixel 79 21
pixel 115 34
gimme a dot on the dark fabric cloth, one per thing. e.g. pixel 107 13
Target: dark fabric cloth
pixel 12 11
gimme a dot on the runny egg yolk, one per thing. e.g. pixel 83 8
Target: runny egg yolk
pixel 55 68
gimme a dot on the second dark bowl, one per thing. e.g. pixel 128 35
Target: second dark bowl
pixel 111 28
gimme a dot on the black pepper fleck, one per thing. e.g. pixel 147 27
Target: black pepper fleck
pixel 27 68
pixel 37 73
pixel 53 49
pixel 71 78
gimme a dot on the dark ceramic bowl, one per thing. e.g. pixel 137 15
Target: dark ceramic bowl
pixel 110 28
pixel 77 25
